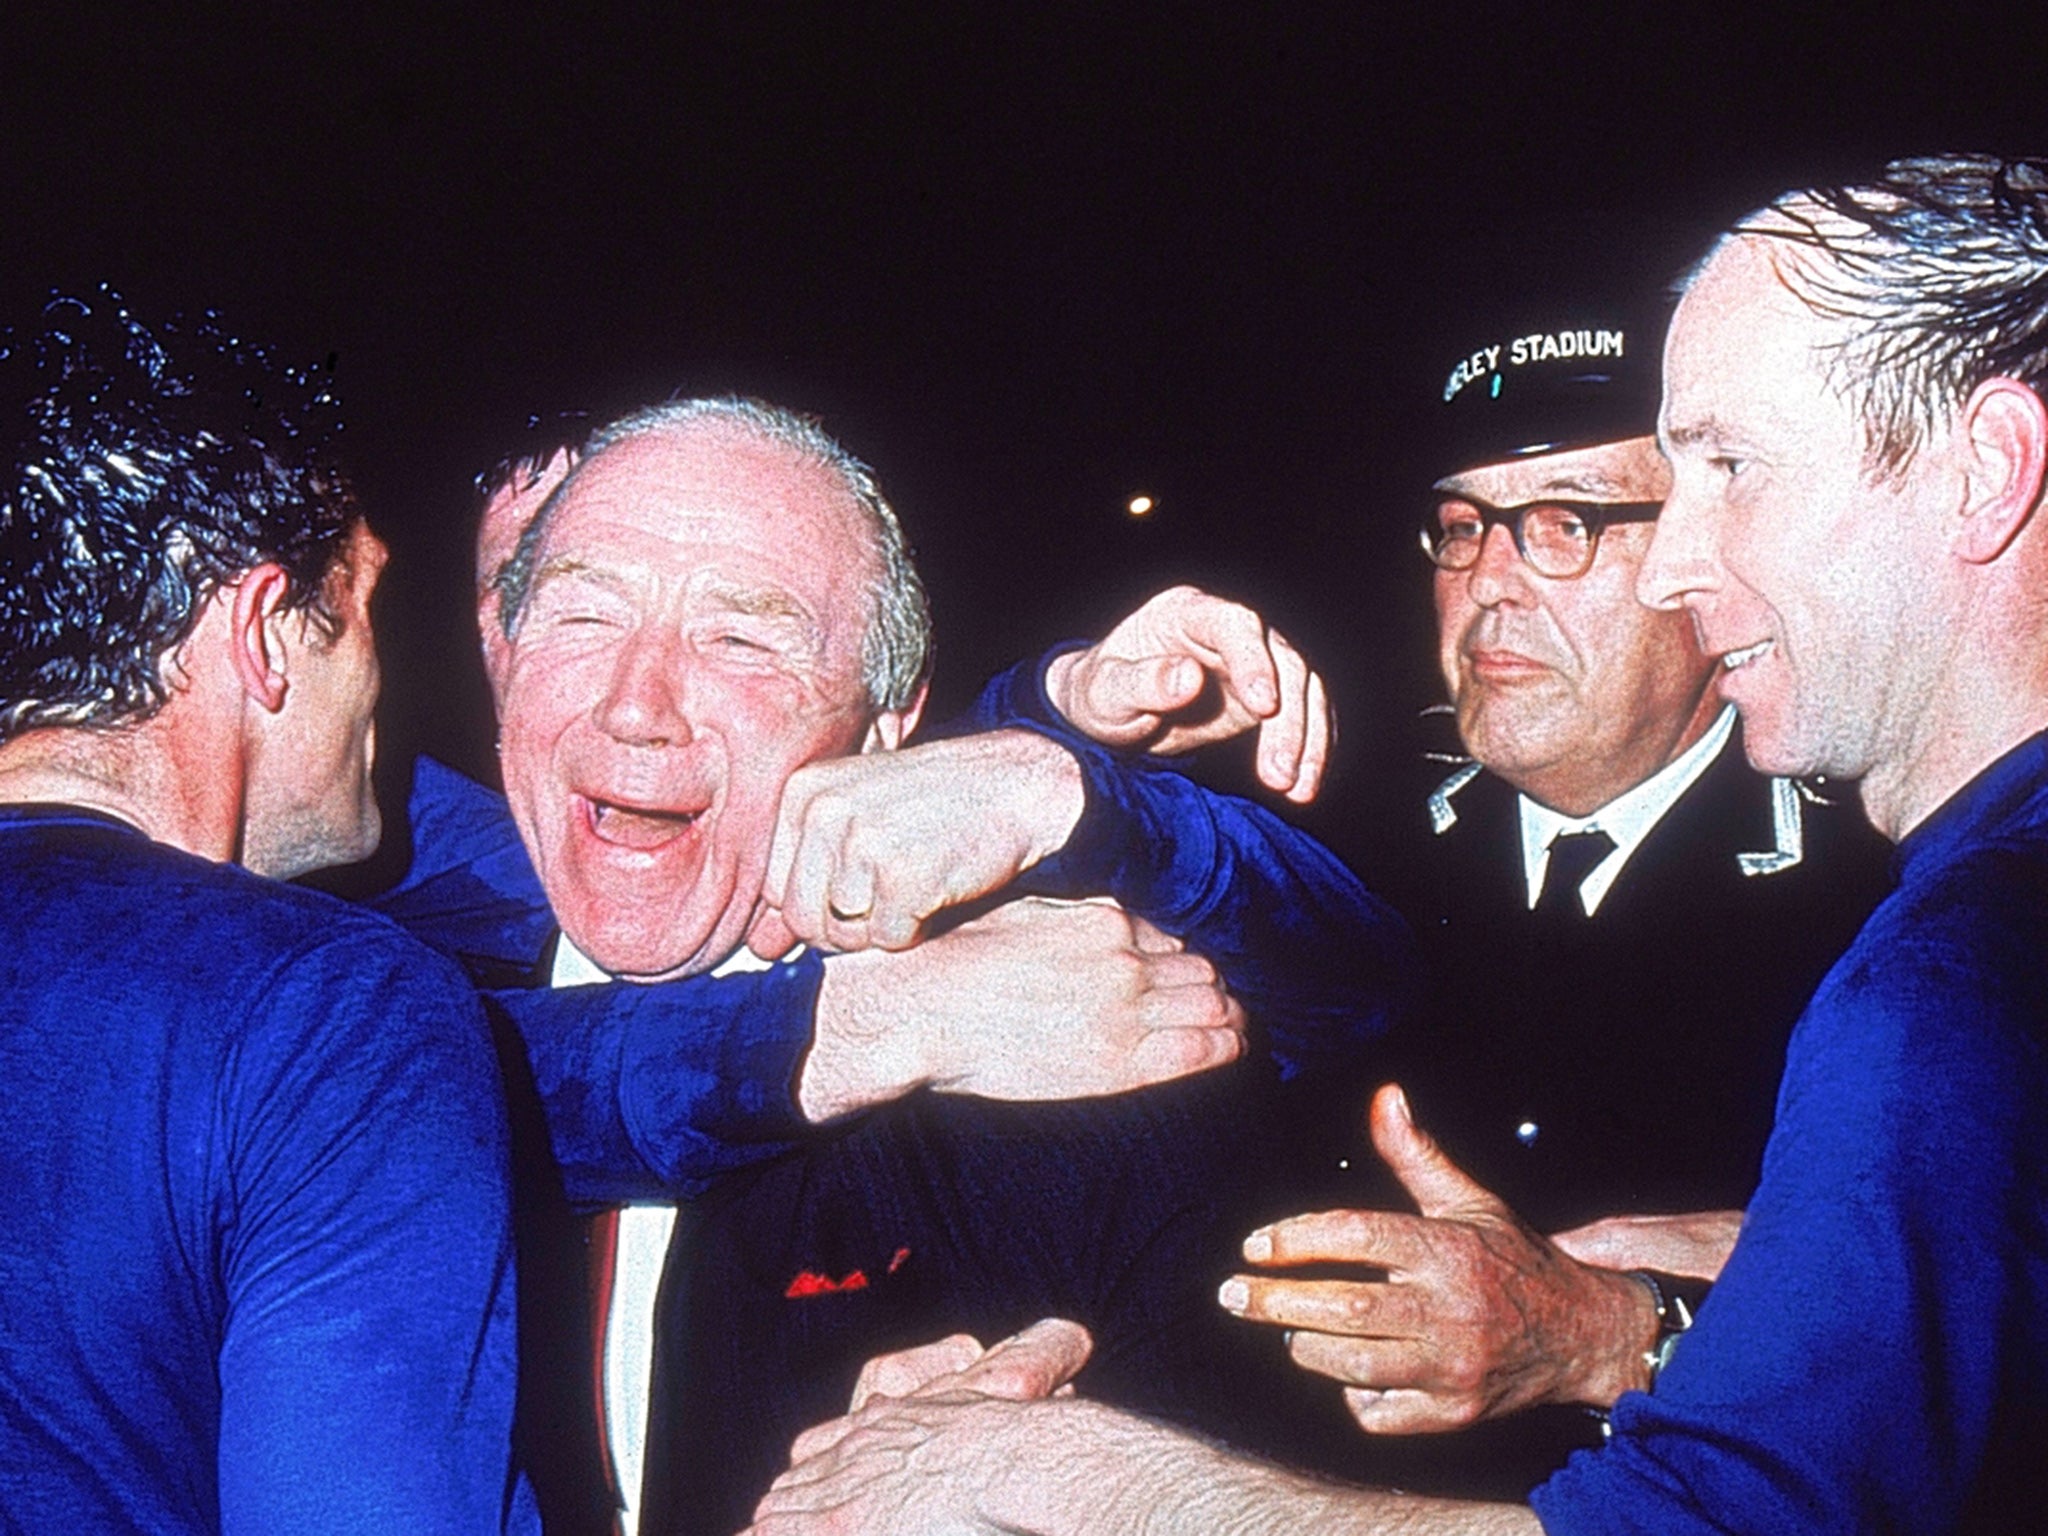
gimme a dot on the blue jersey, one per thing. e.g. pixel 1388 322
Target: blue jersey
pixel 1875 1356
pixel 255 1269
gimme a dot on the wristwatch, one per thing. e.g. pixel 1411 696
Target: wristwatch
pixel 1677 1299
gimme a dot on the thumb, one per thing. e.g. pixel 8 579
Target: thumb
pixel 1437 1184
pixel 769 937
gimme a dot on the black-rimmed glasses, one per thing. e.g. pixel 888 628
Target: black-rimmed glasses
pixel 1555 538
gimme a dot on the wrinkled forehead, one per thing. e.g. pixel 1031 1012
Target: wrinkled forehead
pixel 1630 470
pixel 682 501
pixel 1748 352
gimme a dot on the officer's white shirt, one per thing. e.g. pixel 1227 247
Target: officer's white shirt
pixel 1628 818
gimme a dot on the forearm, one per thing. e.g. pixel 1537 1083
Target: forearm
pixel 1135 1476
pixel 650 1092
pixel 1320 962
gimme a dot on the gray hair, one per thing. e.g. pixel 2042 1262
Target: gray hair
pixel 896 650
pixel 1939 268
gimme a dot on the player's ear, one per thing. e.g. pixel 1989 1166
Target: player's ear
pixel 892 727
pixel 255 646
pixel 2003 437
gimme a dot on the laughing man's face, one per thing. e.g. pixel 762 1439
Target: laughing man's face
pixel 690 638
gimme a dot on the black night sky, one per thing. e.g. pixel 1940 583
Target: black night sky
pixel 1029 261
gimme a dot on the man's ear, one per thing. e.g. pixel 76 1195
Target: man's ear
pixel 255 645
pixel 892 727
pixel 2003 434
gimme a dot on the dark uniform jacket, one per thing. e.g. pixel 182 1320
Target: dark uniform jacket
pixel 1623 1063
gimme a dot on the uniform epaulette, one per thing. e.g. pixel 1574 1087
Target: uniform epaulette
pixel 1789 824
pixel 1442 814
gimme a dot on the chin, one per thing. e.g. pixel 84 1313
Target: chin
pixel 1770 746
pixel 629 945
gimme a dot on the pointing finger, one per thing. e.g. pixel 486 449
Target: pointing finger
pixel 1315 750
pixel 1285 732
pixel 1359 1309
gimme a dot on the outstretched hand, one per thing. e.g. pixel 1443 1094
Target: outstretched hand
pixel 1189 669
pixel 1478 1315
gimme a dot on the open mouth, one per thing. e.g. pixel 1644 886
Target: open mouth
pixel 1746 655
pixel 636 827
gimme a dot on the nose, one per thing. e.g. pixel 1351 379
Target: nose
pixel 645 703
pixel 1679 559
pixel 1499 575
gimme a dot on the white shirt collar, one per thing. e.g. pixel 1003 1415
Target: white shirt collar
pixel 573 968
pixel 1628 818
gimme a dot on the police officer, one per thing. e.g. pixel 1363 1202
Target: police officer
pixel 1622 921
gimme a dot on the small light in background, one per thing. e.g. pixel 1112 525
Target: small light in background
pixel 1139 505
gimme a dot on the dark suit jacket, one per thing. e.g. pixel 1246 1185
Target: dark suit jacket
pixel 1643 1045
pixel 942 1215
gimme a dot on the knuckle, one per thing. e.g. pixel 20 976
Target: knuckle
pixel 1354 1310
pixel 1352 1229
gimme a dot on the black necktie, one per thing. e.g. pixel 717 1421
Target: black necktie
pixel 1572 857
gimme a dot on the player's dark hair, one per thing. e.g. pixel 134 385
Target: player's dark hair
pixel 147 466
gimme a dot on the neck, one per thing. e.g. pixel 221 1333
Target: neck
pixel 1898 797
pixel 1572 792
pixel 1984 692
pixel 130 772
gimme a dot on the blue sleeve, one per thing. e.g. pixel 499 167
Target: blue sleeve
pixel 368 1366
pixel 1855 1363
pixel 1321 965
pixel 653 1091
pixel 648 1091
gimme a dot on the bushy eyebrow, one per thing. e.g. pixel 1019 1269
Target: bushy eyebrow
pixel 1590 484
pixel 1690 434
pixel 773 604
pixel 1581 483
pixel 759 602
pixel 564 567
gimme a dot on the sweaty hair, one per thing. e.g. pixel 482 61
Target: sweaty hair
pixel 147 466
pixel 896 649
pixel 1939 270
pixel 546 435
